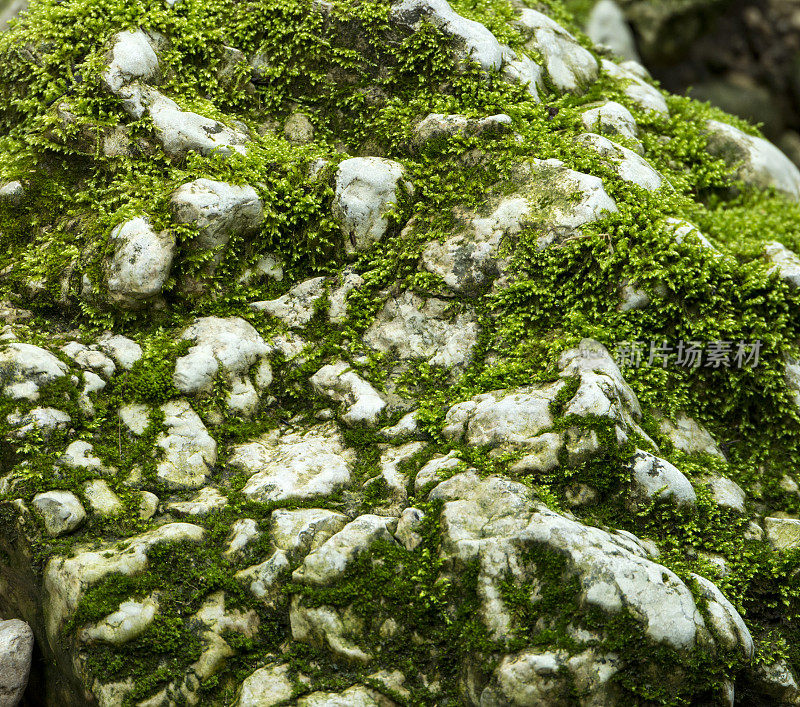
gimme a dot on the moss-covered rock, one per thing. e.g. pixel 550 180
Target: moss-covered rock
pixel 389 353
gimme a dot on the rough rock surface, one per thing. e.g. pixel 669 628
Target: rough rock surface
pixel 345 360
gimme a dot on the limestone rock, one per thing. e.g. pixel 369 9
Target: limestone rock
pixel 627 164
pixel 298 532
pixel 86 357
pixel 189 451
pixel 607 27
pixel 725 620
pixel 205 502
pixel 637 90
pixel 219 211
pixel 67 578
pixel 490 520
pixel 783 262
pixel 362 404
pixel 266 687
pixel 16 653
pixel 612 120
pixel 688 435
pixel 228 347
pixel 61 511
pixel 140 265
pixel 657 478
pixel 26 368
pixel 296 465
pixel 473 41
pixel 727 493
pixel 355 696
pixel 783 533
pixel 131 620
pixel 329 561
pixel 124 351
pixel 181 132
pixel 763 164
pixel 41 420
pixel 570 67
pixel 366 190
pixel 101 498
pixel 297 307
pixel 415 328
pixel 324 627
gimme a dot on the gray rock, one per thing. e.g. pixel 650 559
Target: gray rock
pixel 723 618
pixel 131 620
pixel 473 41
pixel 608 27
pixel 437 128
pixel 124 351
pixel 509 419
pixel 140 264
pixel 627 164
pixel 657 478
pixel 521 69
pixel 91 358
pixel 297 307
pixel 266 687
pixel 408 527
pixel 362 404
pixel 684 231
pixel 189 451
pixel 42 420
pixel 414 328
pixel 181 132
pixel 226 347
pixel 355 696
pixel 688 435
pixel 329 561
pixel 207 501
pixel 297 465
pixel 783 262
pixel 26 368
pixel 570 67
pixel 298 532
pixel 542 677
pixel 366 190
pixel 783 533
pixel 636 88
pixel 61 511
pixel 12 193
pixel 298 128
pixel 612 120
pixel 763 165
pixel 101 498
pixel 219 211
pixel 132 62
pixel 491 520
pixel 16 653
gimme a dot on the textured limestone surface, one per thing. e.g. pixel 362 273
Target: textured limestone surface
pixel 409 352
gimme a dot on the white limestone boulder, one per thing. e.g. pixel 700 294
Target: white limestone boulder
pixel 297 307
pixel 762 164
pixel 26 368
pixel 219 211
pixel 294 466
pixel 652 478
pixel 366 190
pixel 612 120
pixel 472 40
pixel 140 265
pixel 326 564
pixel 642 94
pixel 16 655
pixel 570 67
pixel 608 27
pixel 189 451
pixel 629 166
pixel 783 262
pixel 60 511
pixel 362 404
pixel 226 347
pixel 414 328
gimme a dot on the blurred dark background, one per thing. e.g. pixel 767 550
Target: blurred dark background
pixel 742 55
